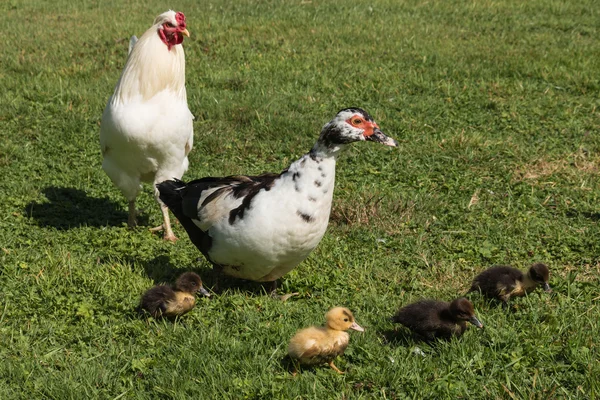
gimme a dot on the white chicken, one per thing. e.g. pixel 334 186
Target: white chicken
pixel 147 131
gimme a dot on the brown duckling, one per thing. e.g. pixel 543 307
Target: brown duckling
pixel 438 319
pixel 503 282
pixel 322 344
pixel 164 301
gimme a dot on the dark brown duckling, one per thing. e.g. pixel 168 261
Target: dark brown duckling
pixel 164 301
pixel 503 282
pixel 438 319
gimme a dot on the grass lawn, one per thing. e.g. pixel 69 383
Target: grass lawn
pixel 496 107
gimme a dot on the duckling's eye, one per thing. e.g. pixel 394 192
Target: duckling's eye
pixel 345 319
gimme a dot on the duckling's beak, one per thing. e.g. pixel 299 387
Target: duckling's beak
pixel 476 322
pixel 547 287
pixel 357 327
pixel 204 292
pixel 380 137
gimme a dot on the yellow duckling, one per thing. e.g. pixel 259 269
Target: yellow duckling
pixel 322 344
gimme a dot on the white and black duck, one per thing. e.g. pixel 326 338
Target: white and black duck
pixel 260 227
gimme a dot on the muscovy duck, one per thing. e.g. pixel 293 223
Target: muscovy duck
pixel 260 227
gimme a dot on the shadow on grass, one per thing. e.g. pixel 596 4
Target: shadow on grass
pixel 400 337
pixel 295 369
pixel 288 365
pixel 69 208
pixel 246 287
pixel 161 270
pixel 572 213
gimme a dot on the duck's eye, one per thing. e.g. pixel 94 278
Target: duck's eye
pixel 345 319
pixel 356 121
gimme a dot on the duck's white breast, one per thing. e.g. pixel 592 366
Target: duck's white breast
pixel 280 228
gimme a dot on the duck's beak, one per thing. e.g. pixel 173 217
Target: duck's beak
pixel 357 327
pixel 380 137
pixel 547 287
pixel 203 292
pixel 476 322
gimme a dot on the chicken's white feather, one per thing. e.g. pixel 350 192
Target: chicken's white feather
pixel 132 42
pixel 146 131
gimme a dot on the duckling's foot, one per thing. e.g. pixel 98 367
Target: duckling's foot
pixel 332 365
pixel 273 292
pixel 284 297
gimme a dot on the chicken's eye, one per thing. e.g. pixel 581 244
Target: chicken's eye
pixel 170 25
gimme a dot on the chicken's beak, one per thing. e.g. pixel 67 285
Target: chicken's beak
pixel 203 292
pixel 382 138
pixel 357 327
pixel 547 287
pixel 185 32
pixel 476 322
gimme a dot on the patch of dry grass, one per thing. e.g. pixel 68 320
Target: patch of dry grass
pixel 374 210
pixel 577 164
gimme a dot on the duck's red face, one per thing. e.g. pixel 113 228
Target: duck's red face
pixel 171 32
pixel 358 121
pixel 370 129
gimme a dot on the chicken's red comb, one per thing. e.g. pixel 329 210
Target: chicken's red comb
pixel 180 18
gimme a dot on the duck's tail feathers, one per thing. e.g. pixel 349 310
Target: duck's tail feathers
pixel 170 192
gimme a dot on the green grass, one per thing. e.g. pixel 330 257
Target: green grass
pixel 496 108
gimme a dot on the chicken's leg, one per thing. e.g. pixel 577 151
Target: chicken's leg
pixel 166 225
pixel 131 220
